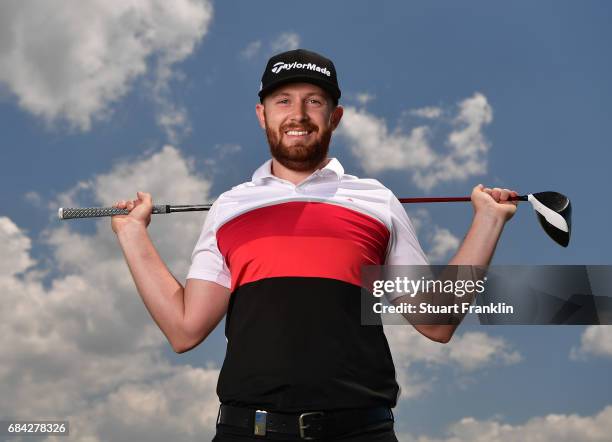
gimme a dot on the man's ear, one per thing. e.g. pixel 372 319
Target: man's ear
pixel 336 116
pixel 259 110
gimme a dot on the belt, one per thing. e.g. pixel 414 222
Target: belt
pixel 309 425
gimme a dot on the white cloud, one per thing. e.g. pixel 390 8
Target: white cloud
pixel 72 63
pixel 430 112
pixel 363 98
pixel 251 49
pixel 173 119
pixel 468 352
pixel 182 406
pixel 379 149
pixel 420 219
pixel 15 247
pixel 467 143
pixel 220 155
pixel 549 428
pixel 33 198
pixel 227 149
pixel 282 42
pixel 596 340
pixel 286 41
pixel 474 350
pixel 442 242
pixel 83 347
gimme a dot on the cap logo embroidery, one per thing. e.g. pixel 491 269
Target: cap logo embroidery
pixel 280 65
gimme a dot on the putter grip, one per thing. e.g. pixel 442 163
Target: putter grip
pixel 94 212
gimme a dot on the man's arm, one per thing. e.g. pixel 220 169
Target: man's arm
pixel 187 315
pixel 491 212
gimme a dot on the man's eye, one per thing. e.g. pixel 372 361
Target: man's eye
pixel 283 101
pixel 314 100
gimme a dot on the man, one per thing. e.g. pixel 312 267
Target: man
pixel 281 255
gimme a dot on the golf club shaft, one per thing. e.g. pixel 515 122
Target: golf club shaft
pixel 95 212
pixel 451 199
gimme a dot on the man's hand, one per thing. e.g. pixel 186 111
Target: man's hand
pixel 494 202
pixel 140 212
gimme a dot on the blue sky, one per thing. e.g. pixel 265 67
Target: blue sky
pixel 97 103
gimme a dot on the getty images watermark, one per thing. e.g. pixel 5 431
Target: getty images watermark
pixel 404 286
pixel 505 294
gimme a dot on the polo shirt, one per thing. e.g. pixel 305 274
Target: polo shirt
pixel 291 256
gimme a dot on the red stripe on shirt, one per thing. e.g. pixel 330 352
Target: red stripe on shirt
pixel 308 239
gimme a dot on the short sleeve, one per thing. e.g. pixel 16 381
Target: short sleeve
pixel 404 248
pixel 207 262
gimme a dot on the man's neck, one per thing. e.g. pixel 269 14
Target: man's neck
pixel 294 176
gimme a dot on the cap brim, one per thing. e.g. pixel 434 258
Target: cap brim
pixel 327 86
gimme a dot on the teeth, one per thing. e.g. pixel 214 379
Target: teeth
pixel 296 133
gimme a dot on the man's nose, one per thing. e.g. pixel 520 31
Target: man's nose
pixel 299 112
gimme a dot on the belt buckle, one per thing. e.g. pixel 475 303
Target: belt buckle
pixel 302 426
pixel 260 422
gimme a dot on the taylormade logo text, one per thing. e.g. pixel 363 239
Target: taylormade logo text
pixel 279 66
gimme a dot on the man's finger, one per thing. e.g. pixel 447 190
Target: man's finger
pixel 504 195
pixel 512 195
pixel 145 197
pixel 496 193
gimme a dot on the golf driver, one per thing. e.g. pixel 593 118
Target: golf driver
pixel 553 209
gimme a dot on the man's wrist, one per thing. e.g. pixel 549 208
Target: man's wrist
pixel 131 228
pixel 490 216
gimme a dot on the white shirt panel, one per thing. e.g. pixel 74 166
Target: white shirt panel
pixel 207 263
pixel 404 248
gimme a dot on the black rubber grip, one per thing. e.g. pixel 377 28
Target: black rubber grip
pixel 94 212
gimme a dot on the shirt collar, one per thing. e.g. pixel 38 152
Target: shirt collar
pixel 333 167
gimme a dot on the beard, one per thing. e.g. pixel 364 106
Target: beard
pixel 299 155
